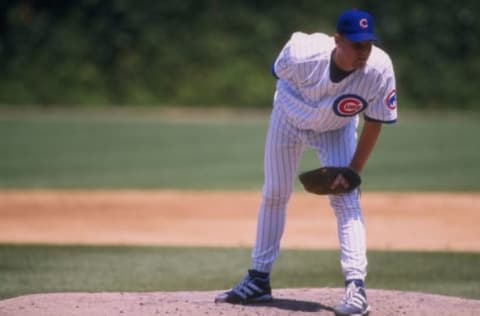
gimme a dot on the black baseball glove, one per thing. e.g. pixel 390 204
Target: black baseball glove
pixel 319 181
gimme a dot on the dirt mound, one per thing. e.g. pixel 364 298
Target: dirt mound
pixel 286 302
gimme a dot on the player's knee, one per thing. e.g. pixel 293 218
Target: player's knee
pixel 276 197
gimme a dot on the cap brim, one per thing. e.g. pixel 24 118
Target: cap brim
pixel 361 37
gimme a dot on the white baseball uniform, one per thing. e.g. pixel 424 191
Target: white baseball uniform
pixel 309 110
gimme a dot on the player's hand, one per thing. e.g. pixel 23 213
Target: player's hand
pixel 340 181
pixel 330 180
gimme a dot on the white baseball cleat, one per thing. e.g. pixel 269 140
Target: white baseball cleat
pixel 354 302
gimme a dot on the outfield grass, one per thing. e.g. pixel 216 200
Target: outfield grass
pixel 138 153
pixel 423 152
pixel 45 269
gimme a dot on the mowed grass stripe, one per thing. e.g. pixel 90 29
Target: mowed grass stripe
pixel 26 269
pixel 420 153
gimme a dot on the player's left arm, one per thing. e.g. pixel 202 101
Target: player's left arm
pixel 366 143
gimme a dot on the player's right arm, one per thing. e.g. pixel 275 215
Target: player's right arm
pixel 300 52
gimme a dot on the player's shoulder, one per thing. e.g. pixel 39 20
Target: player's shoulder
pixel 319 38
pixel 305 44
pixel 379 60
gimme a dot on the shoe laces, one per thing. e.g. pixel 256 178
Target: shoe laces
pixel 351 292
pixel 241 286
pixel 250 284
pixel 244 281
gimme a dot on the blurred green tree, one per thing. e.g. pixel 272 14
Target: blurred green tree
pixel 211 52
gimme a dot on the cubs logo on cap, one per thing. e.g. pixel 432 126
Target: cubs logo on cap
pixel 349 105
pixel 356 26
pixel 363 23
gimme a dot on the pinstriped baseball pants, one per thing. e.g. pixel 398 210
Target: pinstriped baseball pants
pixel 284 147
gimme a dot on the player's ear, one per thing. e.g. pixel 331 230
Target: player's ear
pixel 338 38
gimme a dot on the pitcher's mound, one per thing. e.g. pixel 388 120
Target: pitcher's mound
pixel 286 302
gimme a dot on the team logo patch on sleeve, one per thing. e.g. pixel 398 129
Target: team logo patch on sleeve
pixel 349 105
pixel 391 100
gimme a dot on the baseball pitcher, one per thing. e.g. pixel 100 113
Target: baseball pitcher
pixel 323 84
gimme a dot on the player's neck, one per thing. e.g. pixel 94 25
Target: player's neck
pixel 337 74
pixel 340 63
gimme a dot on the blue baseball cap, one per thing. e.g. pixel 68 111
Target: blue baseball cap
pixel 356 26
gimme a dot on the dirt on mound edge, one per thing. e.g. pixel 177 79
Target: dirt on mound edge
pixel 286 302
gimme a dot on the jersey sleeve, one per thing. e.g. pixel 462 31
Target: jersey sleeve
pixel 298 54
pixel 383 107
pixel 283 66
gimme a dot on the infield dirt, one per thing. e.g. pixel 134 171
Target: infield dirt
pixel 396 221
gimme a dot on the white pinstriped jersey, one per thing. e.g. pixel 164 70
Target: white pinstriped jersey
pixel 312 101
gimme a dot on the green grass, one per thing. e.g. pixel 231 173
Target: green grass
pixel 109 153
pixel 422 152
pixel 30 269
